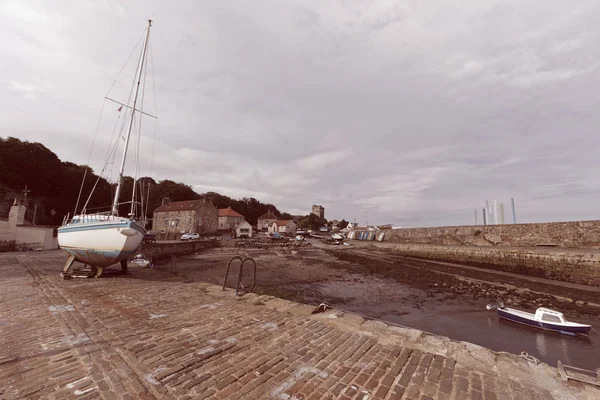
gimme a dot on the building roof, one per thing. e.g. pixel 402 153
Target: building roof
pixel 183 205
pixel 229 212
pixel 283 222
pixel 268 215
pixel 244 222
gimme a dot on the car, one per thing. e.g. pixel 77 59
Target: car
pixel 190 236
pixel 276 236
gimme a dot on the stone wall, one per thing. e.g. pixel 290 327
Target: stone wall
pixel 580 234
pixel 36 237
pixel 158 251
pixel 6 233
pixel 568 265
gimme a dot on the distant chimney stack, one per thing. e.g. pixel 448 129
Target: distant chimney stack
pixel 165 200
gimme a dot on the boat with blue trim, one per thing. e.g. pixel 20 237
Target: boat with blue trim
pixel 103 239
pixel 544 318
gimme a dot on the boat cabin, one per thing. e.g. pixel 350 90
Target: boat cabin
pixel 547 315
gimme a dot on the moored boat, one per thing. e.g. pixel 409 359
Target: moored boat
pixel 544 318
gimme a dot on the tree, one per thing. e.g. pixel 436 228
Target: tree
pixel 286 216
pixel 311 221
pixel 343 223
pixel 55 185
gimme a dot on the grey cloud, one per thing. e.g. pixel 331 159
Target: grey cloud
pixel 396 111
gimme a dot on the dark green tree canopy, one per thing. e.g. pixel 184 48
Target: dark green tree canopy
pixel 55 185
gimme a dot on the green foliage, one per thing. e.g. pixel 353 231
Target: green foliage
pixel 311 221
pixel 55 185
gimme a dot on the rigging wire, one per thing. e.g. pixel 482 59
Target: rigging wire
pixel 151 56
pixel 139 138
pixel 98 128
pixel 155 108
pixel 143 72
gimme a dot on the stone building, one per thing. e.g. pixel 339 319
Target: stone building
pixel 319 211
pixel 229 218
pixel 191 216
pixel 18 234
pixel 265 221
pixel 283 226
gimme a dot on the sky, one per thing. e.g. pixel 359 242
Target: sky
pixel 405 112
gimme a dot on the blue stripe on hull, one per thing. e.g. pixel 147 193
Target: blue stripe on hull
pixel 98 258
pixel 86 226
pixel 583 330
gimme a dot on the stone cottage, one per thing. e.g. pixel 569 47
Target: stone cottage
pixel 229 218
pixel 265 221
pixel 191 216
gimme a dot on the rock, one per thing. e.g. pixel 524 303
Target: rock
pixel 492 238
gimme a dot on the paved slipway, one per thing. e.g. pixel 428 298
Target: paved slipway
pixel 151 334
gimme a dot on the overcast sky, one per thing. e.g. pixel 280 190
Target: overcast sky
pixel 405 112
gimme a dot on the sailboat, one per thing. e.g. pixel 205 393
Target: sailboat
pixel 103 239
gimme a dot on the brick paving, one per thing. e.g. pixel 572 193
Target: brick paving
pixel 152 335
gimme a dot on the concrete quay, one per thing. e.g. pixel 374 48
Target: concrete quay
pixel 151 334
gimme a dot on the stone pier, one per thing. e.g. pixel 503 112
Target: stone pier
pixel 151 334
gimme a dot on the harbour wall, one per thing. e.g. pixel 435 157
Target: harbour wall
pixel 579 234
pixel 567 265
pixel 158 251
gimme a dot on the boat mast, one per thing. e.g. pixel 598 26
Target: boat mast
pixel 115 207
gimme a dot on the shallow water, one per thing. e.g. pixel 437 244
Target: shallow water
pixel 460 320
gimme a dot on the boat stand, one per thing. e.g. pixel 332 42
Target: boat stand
pixel 579 374
pixel 94 272
pixel 67 273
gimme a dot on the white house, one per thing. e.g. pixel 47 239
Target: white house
pixel 243 229
pixel 283 226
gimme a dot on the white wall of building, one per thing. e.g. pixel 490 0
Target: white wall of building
pixel 243 229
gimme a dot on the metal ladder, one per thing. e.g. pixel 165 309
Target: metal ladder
pixel 239 285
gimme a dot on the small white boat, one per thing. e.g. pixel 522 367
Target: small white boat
pixel 102 239
pixel 337 236
pixel 543 318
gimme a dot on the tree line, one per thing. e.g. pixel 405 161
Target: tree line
pixel 55 186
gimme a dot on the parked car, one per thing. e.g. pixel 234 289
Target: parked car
pixel 276 236
pixel 190 236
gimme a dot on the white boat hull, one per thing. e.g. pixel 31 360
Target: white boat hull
pixel 101 243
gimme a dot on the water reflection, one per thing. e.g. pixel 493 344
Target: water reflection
pixel 468 322
pixel 540 342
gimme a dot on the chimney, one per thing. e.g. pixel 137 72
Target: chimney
pixel 165 200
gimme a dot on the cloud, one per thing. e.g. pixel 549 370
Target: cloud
pixel 396 111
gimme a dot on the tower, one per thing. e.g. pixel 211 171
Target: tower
pixel 319 211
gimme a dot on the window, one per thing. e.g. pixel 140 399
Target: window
pixel 244 230
pixel 550 318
